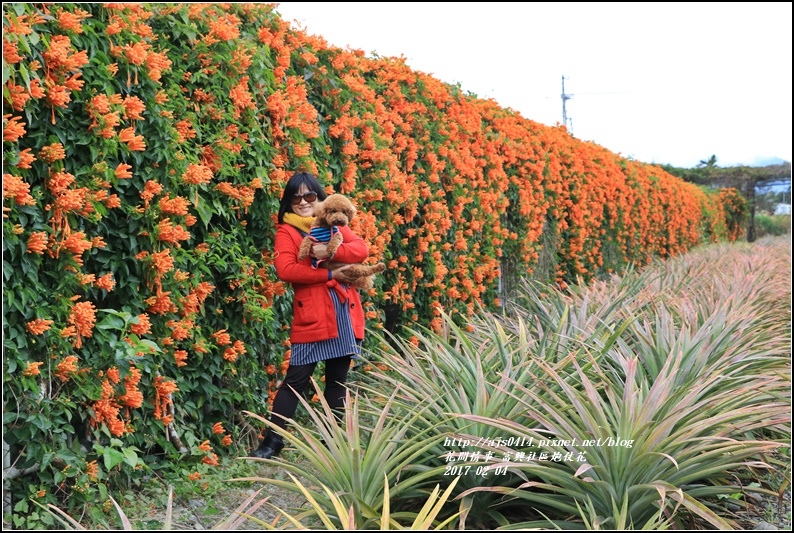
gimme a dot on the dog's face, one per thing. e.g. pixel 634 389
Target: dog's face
pixel 335 210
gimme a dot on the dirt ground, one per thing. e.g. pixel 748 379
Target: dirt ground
pixel 214 513
pixel 221 510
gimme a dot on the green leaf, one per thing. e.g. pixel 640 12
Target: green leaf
pixel 112 458
pixel 130 457
pixel 46 459
pixel 111 322
pixel 205 212
pixel 150 345
pixel 22 506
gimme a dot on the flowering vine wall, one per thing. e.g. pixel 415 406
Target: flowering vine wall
pixel 145 147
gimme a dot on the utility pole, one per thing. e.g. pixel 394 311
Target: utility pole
pixel 568 123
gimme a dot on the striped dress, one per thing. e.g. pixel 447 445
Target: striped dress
pixel 345 344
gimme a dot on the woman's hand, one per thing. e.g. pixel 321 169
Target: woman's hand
pixel 320 251
pixel 340 274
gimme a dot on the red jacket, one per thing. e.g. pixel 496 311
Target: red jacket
pixel 313 315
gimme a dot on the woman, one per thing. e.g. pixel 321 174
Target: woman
pixel 327 321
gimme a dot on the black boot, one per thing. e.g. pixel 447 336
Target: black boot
pixel 271 446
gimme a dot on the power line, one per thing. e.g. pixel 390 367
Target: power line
pixel 568 121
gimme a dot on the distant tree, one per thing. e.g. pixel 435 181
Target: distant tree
pixel 701 174
pixel 767 201
pixel 692 175
pixel 745 179
pixel 709 166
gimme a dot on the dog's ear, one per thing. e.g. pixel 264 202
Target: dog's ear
pixel 351 211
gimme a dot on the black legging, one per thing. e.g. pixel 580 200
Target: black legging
pixel 286 401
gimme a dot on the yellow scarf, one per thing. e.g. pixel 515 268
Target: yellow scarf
pixel 302 223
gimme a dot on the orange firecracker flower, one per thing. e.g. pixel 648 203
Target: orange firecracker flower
pixel 136 53
pixel 25 158
pixel 134 142
pixel 197 174
pixel 217 428
pixel 59 181
pixel 83 317
pixel 32 369
pixel 86 279
pixel 92 470
pixel 168 232
pixel 198 348
pixel 77 243
pixel 143 326
pixel 66 368
pixel 13 129
pixel 221 337
pixel 113 375
pixel 10 52
pixel 133 397
pixel 163 389
pixel 163 262
pixel 181 357
pixel 150 189
pixel 174 206
pixel 37 242
pixel 184 131
pixel 74 83
pixel 18 95
pixel 133 107
pixel 36 90
pixel 123 171
pixel 227 440
pixel 72 21
pixel 51 153
pixel 106 282
pixel 59 96
pixel 230 355
pixel 14 187
pixel 160 304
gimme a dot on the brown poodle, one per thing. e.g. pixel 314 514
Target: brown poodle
pixel 338 210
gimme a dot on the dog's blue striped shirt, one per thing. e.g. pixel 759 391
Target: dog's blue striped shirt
pixel 323 235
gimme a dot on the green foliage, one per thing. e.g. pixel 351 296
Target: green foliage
pixel 736 212
pixel 50 421
pixel 145 149
pixel 376 450
pixel 346 519
pixel 645 402
pixel 772 225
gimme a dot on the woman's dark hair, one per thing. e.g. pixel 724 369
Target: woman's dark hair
pixel 292 188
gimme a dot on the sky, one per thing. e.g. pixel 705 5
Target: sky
pixel 663 83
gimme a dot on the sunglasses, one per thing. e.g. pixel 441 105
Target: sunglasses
pixel 309 197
